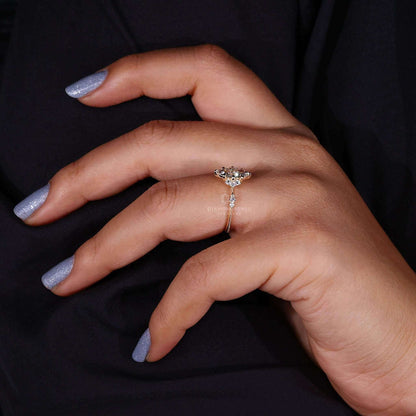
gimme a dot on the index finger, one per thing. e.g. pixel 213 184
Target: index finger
pixel 222 88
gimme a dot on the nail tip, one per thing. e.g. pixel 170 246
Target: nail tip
pixel 58 273
pixel 86 85
pixel 45 282
pixel 25 208
pixel 141 350
pixel 71 92
pixel 137 358
pixel 20 212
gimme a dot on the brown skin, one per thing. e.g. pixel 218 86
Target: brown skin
pixel 300 230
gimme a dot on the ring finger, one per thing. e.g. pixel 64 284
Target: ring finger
pixel 186 209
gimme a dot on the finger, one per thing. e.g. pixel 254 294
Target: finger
pixel 166 150
pixel 188 209
pixel 222 272
pixel 222 88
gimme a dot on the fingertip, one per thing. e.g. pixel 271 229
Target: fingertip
pixel 150 356
pixel 58 273
pixel 39 208
pixel 141 351
pixel 86 85
pixel 163 341
pixel 26 208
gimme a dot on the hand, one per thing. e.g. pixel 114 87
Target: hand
pixel 300 231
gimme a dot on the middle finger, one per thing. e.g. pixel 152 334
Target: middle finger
pixel 163 150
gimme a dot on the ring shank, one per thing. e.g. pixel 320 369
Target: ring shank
pixel 230 210
pixel 228 226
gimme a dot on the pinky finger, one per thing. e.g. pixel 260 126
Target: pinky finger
pixel 221 272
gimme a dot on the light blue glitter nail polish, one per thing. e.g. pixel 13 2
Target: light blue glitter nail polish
pixel 58 273
pixel 85 85
pixel 142 347
pixel 30 204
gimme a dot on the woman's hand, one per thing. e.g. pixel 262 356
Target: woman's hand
pixel 300 231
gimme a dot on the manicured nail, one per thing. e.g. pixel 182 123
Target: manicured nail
pixel 58 273
pixel 30 204
pixel 142 347
pixel 85 85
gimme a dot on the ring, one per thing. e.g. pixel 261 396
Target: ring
pixel 232 177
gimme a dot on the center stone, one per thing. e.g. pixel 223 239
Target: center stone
pixel 232 176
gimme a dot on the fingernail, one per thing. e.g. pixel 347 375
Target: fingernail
pixel 30 204
pixel 85 85
pixel 58 273
pixel 142 347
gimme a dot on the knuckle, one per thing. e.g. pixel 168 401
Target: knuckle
pixel 311 135
pixel 320 159
pixel 154 130
pixel 162 198
pixel 133 61
pixel 301 140
pixel 93 248
pixel 309 183
pixel 160 317
pixel 301 133
pixel 196 272
pixel 146 140
pixel 314 154
pixel 212 55
pixel 133 140
pixel 313 190
pixel 88 255
pixel 72 172
pixel 304 146
pixel 72 180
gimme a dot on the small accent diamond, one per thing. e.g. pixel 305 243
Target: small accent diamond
pixel 232 200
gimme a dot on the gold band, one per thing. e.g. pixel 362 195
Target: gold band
pixel 230 210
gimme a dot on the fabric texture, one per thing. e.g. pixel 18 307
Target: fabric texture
pixel 344 68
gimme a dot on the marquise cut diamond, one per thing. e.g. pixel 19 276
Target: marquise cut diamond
pixel 232 176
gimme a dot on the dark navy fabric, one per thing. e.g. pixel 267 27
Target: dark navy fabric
pixel 345 68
